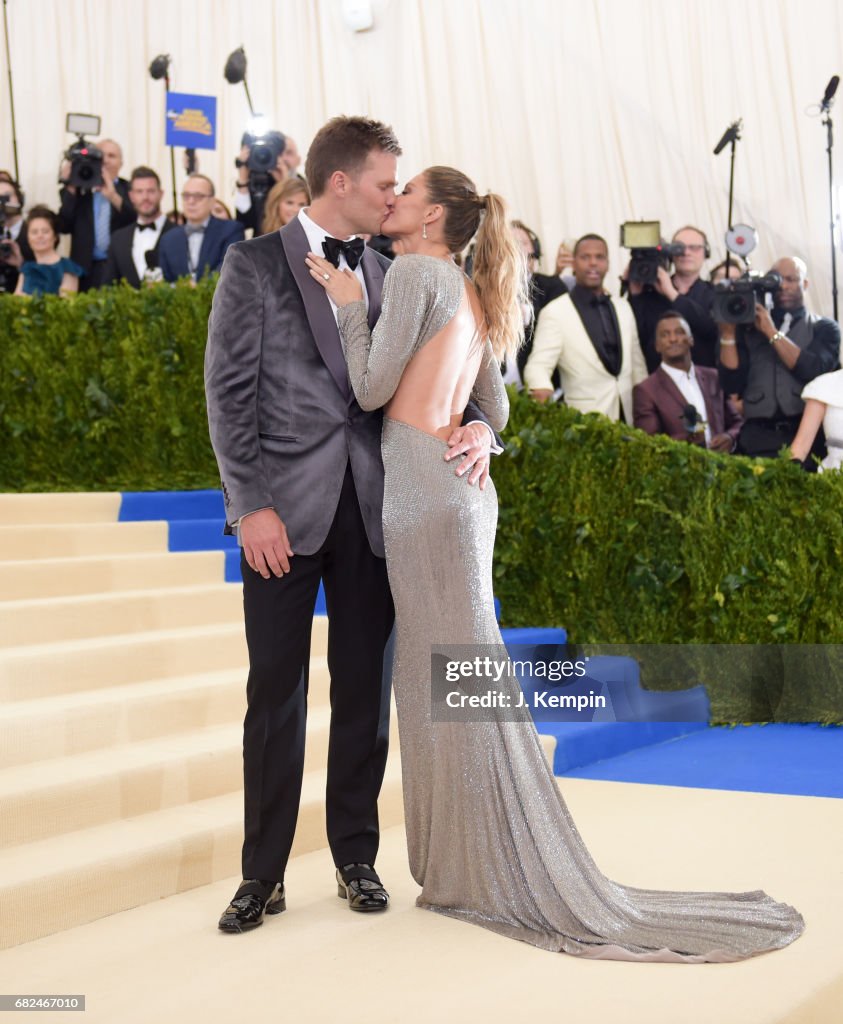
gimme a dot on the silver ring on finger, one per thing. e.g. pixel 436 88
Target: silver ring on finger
pixel 326 277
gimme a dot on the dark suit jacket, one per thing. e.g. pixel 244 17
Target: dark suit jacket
pixel 544 288
pixel 173 253
pixel 121 266
pixel 76 218
pixel 658 405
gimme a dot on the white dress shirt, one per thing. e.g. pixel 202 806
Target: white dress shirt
pixel 315 237
pixel 692 393
pixel 194 247
pixel 143 241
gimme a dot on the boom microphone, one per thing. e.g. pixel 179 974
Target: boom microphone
pixel 830 90
pixel 730 135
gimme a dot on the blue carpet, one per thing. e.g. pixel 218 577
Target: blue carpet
pixel 803 760
pixel 195 521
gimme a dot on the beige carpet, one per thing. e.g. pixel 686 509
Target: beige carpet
pixel 121 702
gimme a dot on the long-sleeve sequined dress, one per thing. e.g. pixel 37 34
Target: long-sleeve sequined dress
pixel 490 838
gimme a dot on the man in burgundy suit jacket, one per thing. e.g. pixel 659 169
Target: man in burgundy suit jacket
pixel 682 400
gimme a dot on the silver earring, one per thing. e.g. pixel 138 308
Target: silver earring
pixel 424 230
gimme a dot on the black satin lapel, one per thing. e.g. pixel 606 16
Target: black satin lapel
pixel 320 316
pixel 373 274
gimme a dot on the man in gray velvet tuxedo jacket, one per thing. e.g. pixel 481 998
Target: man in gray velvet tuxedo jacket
pixel 302 480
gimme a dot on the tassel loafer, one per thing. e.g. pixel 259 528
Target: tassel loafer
pixel 252 900
pixel 360 885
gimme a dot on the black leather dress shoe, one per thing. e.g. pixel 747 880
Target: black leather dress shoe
pixel 360 885
pixel 252 900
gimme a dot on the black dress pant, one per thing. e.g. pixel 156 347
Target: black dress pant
pixel 279 614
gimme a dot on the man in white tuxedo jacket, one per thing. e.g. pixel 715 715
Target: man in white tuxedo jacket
pixel 591 338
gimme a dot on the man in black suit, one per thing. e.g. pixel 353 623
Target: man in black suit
pixel 302 481
pixel 91 217
pixel 134 249
pixel 198 247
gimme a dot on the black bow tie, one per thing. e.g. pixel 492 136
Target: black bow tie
pixel 352 251
pixel 145 227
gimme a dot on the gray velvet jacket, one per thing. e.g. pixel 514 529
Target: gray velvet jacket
pixel 283 419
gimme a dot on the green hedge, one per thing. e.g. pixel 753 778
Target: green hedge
pixel 619 537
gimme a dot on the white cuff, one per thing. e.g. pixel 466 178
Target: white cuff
pixel 242 200
pixel 495 448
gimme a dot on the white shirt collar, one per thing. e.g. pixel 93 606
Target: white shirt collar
pixel 679 375
pixel 316 235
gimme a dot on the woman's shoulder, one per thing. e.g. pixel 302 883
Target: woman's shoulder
pixel 828 388
pixel 70 267
pixel 418 265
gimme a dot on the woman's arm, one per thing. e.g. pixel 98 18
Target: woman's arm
pixel 809 426
pixel 489 391
pixel 19 286
pixel 69 284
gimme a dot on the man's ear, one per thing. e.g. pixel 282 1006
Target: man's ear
pixel 339 183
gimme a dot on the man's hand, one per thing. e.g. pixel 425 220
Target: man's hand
pixel 664 286
pixel 564 259
pixel 15 257
pixel 110 192
pixel 265 543
pixel 721 443
pixel 541 394
pixel 632 287
pixel 475 441
pixel 763 321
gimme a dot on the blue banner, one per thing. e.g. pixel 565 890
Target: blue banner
pixel 191 120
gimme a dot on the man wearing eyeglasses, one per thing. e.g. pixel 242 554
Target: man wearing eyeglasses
pixel 686 293
pixel 197 248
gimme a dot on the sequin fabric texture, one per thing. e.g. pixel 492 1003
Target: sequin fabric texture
pixel 490 838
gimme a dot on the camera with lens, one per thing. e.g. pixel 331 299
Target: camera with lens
pixel 648 251
pixel 734 301
pixel 6 247
pixel 85 159
pixel 265 147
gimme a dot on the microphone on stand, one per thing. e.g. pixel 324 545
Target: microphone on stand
pixel 732 134
pixel 830 90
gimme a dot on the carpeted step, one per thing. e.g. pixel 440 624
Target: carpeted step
pixel 59 508
pixel 56 619
pixel 47 670
pixel 64 577
pixel 23 543
pixel 109 868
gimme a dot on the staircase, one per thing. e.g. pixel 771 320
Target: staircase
pixel 122 694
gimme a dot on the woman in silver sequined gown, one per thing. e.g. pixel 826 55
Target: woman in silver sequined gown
pixel 490 838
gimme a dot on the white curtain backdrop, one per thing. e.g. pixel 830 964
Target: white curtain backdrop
pixel 583 113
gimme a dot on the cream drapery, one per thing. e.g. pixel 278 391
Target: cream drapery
pixel 582 114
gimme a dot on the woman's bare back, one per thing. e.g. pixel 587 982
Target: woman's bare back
pixel 436 384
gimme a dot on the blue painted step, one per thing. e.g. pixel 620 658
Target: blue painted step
pixel 195 522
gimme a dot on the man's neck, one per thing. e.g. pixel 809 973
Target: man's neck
pixel 683 364
pixel 683 283
pixel 150 218
pixel 325 215
pixel 595 290
pixel 197 223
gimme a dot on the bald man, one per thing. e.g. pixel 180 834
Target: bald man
pixel 90 218
pixel 767 363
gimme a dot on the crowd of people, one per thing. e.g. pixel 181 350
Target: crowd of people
pixel 656 358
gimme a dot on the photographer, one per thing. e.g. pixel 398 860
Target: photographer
pixel 14 247
pixel 769 362
pixel 90 217
pixel 684 291
pixel 253 185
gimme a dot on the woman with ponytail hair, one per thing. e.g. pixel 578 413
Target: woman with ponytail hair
pixel 490 838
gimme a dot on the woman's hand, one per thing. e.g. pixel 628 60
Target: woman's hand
pixel 341 285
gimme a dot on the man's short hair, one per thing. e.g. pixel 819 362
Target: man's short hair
pixel 202 177
pixel 590 238
pixel 699 231
pixel 144 172
pixel 672 314
pixel 344 144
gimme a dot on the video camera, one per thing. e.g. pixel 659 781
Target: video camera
pixel 734 301
pixel 265 147
pixel 648 251
pixel 85 159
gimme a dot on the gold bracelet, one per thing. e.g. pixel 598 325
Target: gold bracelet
pixel 778 336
